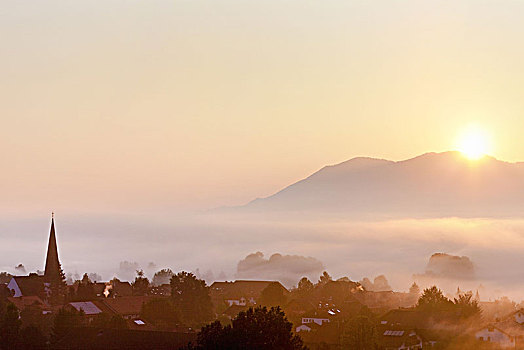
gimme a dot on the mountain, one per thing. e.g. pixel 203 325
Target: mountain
pixel 431 185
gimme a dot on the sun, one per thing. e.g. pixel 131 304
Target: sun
pixel 474 143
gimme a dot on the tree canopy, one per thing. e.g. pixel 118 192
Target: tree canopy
pixel 85 289
pixel 257 329
pixel 160 312
pixel 467 306
pixel 360 333
pixel 191 299
pixel 324 278
pixel 10 324
pixel 65 319
pixel 432 299
pixel 162 277
pixel 305 286
pixel 141 284
pixel 464 306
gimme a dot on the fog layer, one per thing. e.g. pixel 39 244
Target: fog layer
pixel 398 249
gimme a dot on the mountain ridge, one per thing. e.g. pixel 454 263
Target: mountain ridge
pixel 432 184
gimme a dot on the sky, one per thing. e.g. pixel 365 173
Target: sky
pixel 124 115
pixel 117 106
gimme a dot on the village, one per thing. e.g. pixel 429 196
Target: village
pixel 43 312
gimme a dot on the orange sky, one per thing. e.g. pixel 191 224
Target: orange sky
pixel 133 105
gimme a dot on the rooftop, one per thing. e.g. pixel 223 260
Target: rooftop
pixel 88 307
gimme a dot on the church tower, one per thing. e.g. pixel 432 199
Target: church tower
pixel 54 278
pixel 52 264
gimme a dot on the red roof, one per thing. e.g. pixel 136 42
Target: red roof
pixel 32 285
pixel 23 302
pixel 126 306
pixel 242 288
pixel 121 289
pixel 234 310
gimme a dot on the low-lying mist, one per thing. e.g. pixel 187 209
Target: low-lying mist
pixel 215 244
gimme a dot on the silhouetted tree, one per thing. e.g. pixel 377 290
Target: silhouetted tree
pixel 414 294
pixel 467 306
pixel 190 296
pixel 65 319
pixel 32 337
pixel 337 292
pixel 160 312
pixel 162 277
pixel 256 329
pixel 360 333
pixel 10 327
pixel 273 295
pixel 85 289
pixel 381 284
pixel 304 286
pixel 215 336
pixel 324 278
pixel 140 284
pixel 432 299
pixel 32 316
pixel 57 288
pixel 367 284
pixel 95 277
pixel 414 289
pixel 4 294
pixel 85 279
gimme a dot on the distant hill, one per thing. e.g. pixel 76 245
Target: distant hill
pixel 431 185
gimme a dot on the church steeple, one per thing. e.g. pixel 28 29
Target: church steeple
pixel 52 265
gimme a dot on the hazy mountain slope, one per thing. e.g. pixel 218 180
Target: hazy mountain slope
pixel 433 184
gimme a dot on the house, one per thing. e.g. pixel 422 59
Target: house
pixel 297 307
pixel 513 325
pixel 518 316
pixel 427 326
pixel 394 339
pixel 22 303
pixel 86 291
pixel 404 318
pixel 140 324
pixel 232 311
pixel 319 317
pixel 241 292
pixel 496 336
pixel 322 337
pixel 99 288
pixel 303 328
pixel 118 288
pixel 89 308
pixel 307 327
pixel 240 301
pixel 128 307
pixel 130 313
pixel 23 286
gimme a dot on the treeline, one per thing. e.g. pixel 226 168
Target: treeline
pixel 264 326
pixel 189 304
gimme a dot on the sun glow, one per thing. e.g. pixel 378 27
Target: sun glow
pixel 474 143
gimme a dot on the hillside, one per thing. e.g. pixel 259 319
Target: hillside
pixel 430 185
